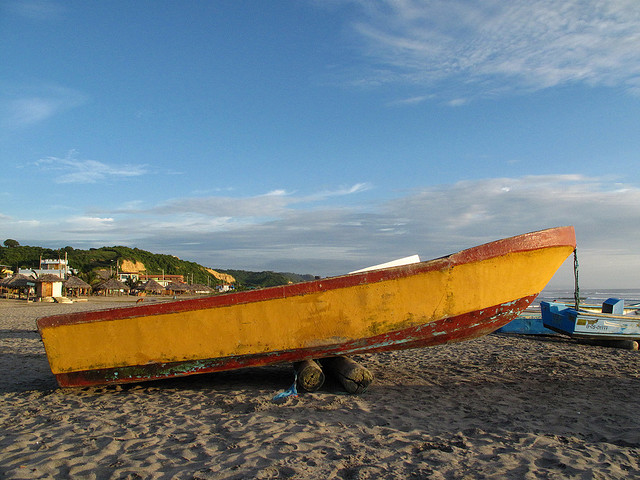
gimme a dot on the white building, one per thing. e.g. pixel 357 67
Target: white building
pixel 59 267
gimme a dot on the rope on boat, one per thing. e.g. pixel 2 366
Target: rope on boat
pixel 576 293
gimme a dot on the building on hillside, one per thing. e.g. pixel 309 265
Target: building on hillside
pixel 163 279
pixel 55 266
pixel 59 264
pixel 225 288
pixel 125 276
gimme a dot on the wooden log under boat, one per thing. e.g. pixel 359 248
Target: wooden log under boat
pixel 354 377
pixel 453 298
pixel 309 374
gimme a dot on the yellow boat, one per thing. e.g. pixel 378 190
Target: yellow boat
pixel 449 299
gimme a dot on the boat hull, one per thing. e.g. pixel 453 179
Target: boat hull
pixel 526 325
pixel 454 298
pixel 587 325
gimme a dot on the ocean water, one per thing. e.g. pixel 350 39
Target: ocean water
pixel 631 296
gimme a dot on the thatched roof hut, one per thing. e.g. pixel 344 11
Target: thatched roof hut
pixel 76 282
pixel 77 286
pixel 20 280
pixel 19 283
pixel 177 287
pixel 200 288
pixel 111 287
pixel 48 285
pixel 48 277
pixel 151 286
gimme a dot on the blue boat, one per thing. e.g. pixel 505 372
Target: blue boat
pixel 528 323
pixel 610 324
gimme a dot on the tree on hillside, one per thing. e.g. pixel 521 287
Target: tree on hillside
pixel 10 242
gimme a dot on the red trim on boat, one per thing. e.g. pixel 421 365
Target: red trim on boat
pixel 462 327
pixel 560 236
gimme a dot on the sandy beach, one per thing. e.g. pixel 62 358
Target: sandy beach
pixel 496 407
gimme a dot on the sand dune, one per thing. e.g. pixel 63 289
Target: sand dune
pixel 497 407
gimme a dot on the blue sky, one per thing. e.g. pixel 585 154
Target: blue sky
pixel 322 136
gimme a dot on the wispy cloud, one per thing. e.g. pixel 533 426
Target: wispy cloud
pixel 483 48
pixel 86 224
pixel 271 205
pixel 327 238
pixel 411 100
pixel 73 170
pixel 260 206
pixel 338 192
pixel 26 106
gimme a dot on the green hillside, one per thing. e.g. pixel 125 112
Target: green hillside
pixel 265 279
pixel 89 262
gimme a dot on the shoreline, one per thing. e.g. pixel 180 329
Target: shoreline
pixel 501 406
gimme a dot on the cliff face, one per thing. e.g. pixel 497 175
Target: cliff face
pixel 222 276
pixel 132 266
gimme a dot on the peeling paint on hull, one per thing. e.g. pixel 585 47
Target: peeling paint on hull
pixel 454 298
pixel 464 327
